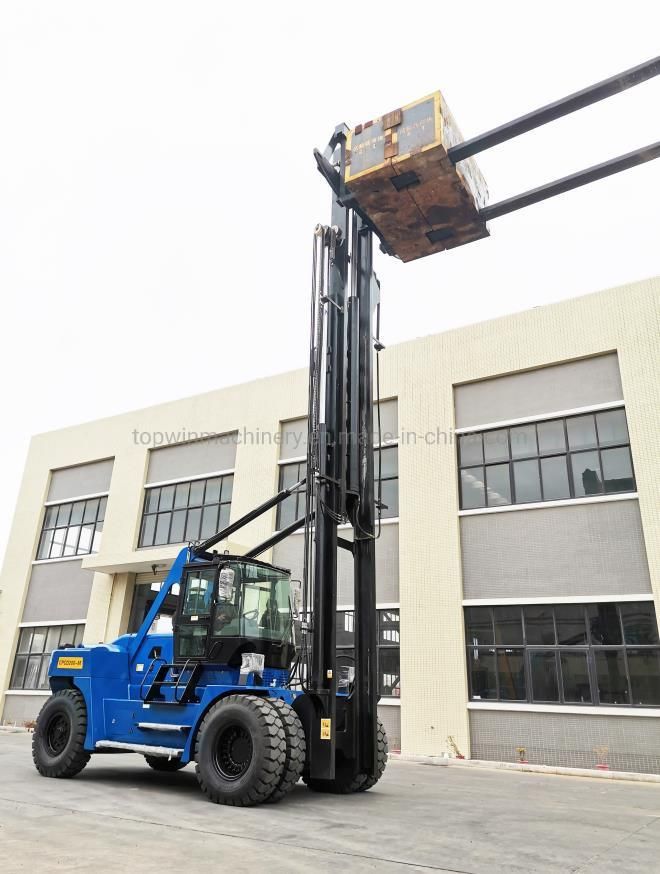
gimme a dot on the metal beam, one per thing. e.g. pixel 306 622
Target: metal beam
pixel 575 180
pixel 277 537
pixel 550 112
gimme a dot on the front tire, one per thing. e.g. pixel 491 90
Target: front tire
pixel 240 751
pixel 346 782
pixel 160 763
pixel 296 747
pixel 58 742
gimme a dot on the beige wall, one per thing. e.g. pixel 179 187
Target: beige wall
pixel 421 374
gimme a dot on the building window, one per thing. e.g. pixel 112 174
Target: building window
pixel 73 528
pixel 187 511
pixel 35 646
pixel 389 672
pixel 587 654
pixel 574 457
pixel 386 487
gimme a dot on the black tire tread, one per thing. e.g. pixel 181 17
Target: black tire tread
pixel 77 757
pixel 271 768
pixel 383 750
pixel 296 747
pixel 348 783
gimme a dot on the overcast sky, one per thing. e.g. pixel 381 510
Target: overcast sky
pixel 158 191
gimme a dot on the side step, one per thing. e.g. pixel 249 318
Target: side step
pixel 145 749
pixel 162 726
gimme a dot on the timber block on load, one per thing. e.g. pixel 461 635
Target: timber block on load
pixel 398 171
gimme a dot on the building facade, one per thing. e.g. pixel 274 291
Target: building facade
pixel 519 547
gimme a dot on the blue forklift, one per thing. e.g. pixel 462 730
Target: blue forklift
pixel 247 686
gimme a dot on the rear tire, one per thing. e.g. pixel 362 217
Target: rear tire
pixel 159 763
pixel 296 748
pixel 346 781
pixel 58 742
pixel 240 751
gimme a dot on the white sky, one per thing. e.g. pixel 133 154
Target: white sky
pixel 158 191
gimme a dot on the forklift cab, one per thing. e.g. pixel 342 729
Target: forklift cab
pixel 231 605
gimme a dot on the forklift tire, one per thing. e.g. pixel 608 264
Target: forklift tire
pixel 295 749
pixel 346 782
pixel 58 742
pixel 160 763
pixel 240 751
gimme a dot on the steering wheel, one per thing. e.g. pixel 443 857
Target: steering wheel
pixel 250 614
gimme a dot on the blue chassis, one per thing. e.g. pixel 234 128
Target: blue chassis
pixel 115 677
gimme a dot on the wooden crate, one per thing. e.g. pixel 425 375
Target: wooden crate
pixel 398 171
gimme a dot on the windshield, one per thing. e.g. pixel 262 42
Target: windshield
pixel 253 602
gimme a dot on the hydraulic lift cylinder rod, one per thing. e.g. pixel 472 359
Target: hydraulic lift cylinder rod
pixel 550 112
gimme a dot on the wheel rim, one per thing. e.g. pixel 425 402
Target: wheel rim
pixel 233 752
pixel 57 734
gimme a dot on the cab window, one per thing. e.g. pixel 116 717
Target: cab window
pixel 199 593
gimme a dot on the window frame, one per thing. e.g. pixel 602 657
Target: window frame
pixel 389 646
pixel 567 454
pixel 95 524
pixel 591 647
pixel 43 654
pixel 189 507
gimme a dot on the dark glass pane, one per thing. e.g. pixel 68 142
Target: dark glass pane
pixel 388 627
pixel 68 634
pixel 42 682
pixel 470 449
pixel 80 630
pixel 289 475
pixel 571 626
pixel 523 441
pixel 389 462
pixel 345 667
pixel 228 485
pixel 611 675
pixel 24 640
pixel 151 500
pixel 539 626
pixel 472 488
pixel 586 474
pixel 389 495
pixel 483 682
pixel 148 530
pixel 32 673
pixel 19 672
pixel 496 445
pixel 389 672
pixel 498 485
pixel 178 530
pixel 581 432
pixel 192 525
pixel 209 521
pixel 212 493
pixel 479 626
pixel 166 498
pixel 617 470
pixel 181 494
pixel 77 512
pixel 644 668
pixel 223 521
pixel 508 625
pixel 91 510
pixel 53 638
pixel 196 493
pixel 345 628
pixel 44 544
pixel 511 672
pixel 198 593
pixel 575 678
pixel 38 640
pixel 612 427
pixel 604 624
pixel 50 519
pixel 526 481
pixel 543 666
pixel 103 503
pixel 639 624
pixel 554 474
pixel 64 514
pixel 162 528
pixel 552 438
pixel 286 512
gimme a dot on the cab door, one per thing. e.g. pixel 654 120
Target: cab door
pixel 193 619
